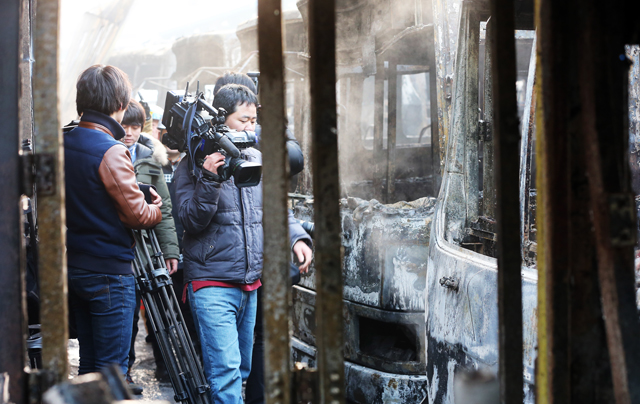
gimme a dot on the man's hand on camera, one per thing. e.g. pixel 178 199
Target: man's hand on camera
pixel 304 254
pixel 157 199
pixel 213 161
pixel 172 265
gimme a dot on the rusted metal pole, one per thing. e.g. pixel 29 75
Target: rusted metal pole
pixel 50 188
pixel 326 187
pixel 26 64
pixel 552 151
pixel 378 122
pixel 12 321
pixel 392 127
pixel 604 83
pixel 277 292
pixel 507 164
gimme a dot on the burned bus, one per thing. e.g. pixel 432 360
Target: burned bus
pixel 389 158
pixel 420 274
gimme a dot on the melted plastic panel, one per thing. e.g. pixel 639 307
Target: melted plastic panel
pixel 385 251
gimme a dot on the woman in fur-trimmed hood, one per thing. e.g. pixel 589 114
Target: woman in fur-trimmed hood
pixel 148 156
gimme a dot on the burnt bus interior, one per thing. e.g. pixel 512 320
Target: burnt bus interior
pixel 402 297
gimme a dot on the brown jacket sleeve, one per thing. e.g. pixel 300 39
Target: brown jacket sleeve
pixel 116 172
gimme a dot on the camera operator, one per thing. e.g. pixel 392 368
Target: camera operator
pixel 103 202
pixel 254 390
pixel 296 158
pixel 222 249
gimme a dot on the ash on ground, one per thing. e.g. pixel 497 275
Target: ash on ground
pixel 143 372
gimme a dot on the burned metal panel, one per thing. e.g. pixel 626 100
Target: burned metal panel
pixel 527 169
pixel 446 14
pixel 385 251
pixel 633 53
pixel 379 339
pixel 462 193
pixel 462 323
pixel 367 386
pixel 304 314
pixel 364 385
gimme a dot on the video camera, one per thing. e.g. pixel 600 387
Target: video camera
pixel 197 128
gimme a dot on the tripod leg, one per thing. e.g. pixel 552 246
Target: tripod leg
pixel 185 371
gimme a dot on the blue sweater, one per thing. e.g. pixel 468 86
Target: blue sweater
pixel 96 237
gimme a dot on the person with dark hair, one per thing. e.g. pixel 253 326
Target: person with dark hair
pixel 234 78
pixel 148 156
pixel 296 158
pixel 254 391
pixel 222 249
pixel 103 201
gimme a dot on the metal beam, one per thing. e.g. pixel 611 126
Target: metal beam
pixel 554 196
pixel 392 120
pixel 378 116
pixel 587 330
pixel 603 89
pixel 51 199
pixel 277 292
pixel 326 187
pixel 507 164
pixel 436 166
pixel 12 321
pixel 488 168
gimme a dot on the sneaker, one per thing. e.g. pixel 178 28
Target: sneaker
pixel 135 388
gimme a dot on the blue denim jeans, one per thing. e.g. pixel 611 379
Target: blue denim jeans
pixel 224 319
pixel 102 306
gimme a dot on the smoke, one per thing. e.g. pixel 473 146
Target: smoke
pixel 396 34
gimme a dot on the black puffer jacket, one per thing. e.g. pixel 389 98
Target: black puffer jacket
pixel 223 238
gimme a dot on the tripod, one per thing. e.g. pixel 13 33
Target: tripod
pixel 155 286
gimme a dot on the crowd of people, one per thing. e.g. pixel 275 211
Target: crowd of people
pixel 210 233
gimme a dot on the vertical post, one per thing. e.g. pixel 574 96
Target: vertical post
pixel 436 170
pixel 378 122
pixel 26 102
pixel 50 188
pixel 12 318
pixel 488 172
pixel 326 187
pixel 507 165
pixel 277 293
pixel 603 78
pixel 552 148
pixel 391 131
